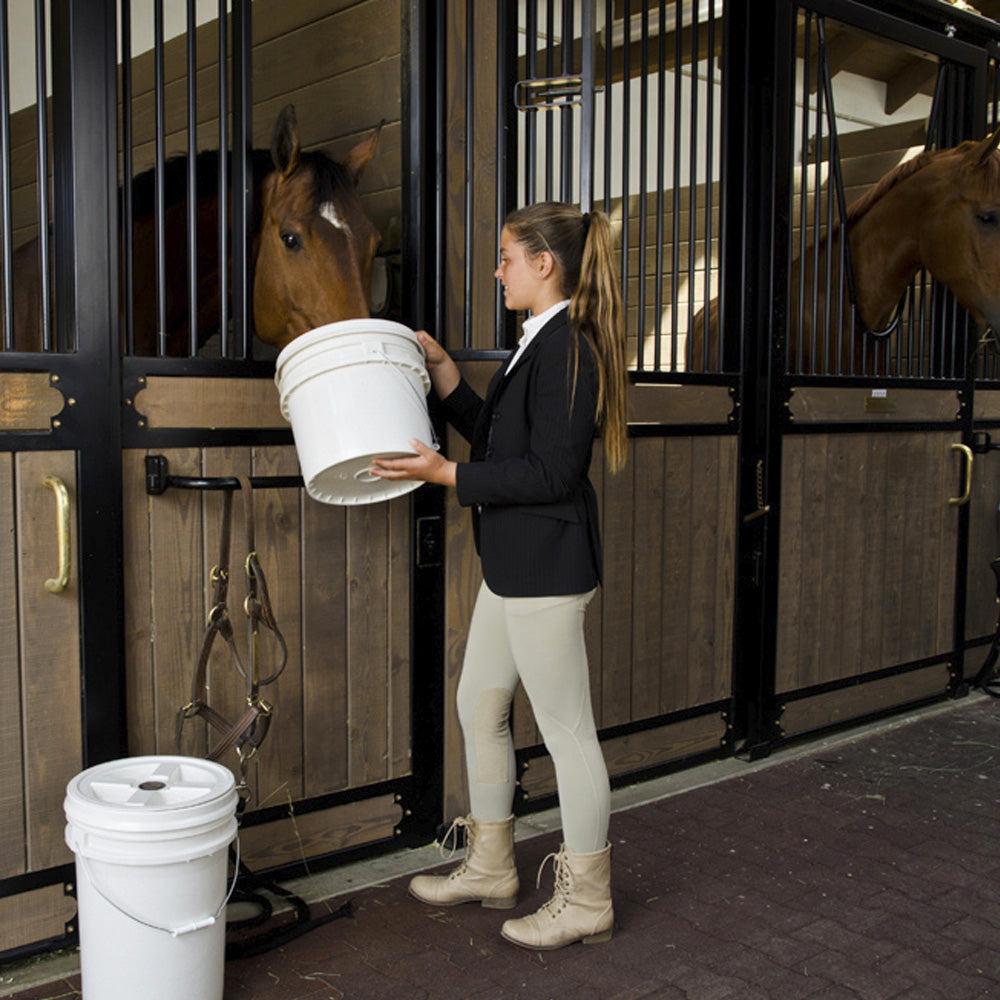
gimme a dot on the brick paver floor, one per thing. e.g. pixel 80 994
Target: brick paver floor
pixel 869 868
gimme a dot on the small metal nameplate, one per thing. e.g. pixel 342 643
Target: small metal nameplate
pixel 879 402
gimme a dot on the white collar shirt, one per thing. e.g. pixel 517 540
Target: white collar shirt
pixel 530 328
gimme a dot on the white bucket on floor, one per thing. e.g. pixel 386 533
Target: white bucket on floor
pixel 354 391
pixel 150 835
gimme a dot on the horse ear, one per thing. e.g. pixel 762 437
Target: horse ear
pixel 285 141
pixel 983 150
pixel 359 157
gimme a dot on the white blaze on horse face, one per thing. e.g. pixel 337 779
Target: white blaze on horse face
pixel 329 212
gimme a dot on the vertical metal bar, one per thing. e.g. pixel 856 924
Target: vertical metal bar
pixel 42 174
pixel 550 35
pixel 675 262
pixel 661 109
pixel 192 177
pixel 5 198
pixel 828 317
pixel 692 182
pixel 709 179
pixel 817 195
pixel 588 100
pixel 84 112
pixel 608 105
pixel 222 201
pixel 625 163
pixel 242 182
pixel 507 136
pixel 127 232
pixel 531 120
pixel 566 112
pixel 160 212
pixel 643 209
pixel 803 191
pixel 468 187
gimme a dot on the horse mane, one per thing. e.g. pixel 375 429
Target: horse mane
pixel 875 193
pixel 332 178
pixel 909 167
pixel 206 179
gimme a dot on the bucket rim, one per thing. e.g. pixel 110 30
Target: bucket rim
pixel 347 328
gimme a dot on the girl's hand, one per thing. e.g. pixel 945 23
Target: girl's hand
pixel 444 373
pixel 428 466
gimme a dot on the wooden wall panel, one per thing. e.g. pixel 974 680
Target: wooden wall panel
pixel 35 916
pixel 50 655
pixel 984 545
pixel 276 512
pixel 13 858
pixel 339 585
pixel 659 630
pixel 868 544
pixel 324 647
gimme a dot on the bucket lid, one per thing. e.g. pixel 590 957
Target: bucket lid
pixel 151 794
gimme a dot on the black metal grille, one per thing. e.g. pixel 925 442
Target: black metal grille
pixel 171 187
pixel 930 336
pixel 652 159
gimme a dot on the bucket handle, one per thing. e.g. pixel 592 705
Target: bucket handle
pixel 193 925
pixel 377 351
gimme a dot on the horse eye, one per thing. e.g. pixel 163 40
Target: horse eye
pixel 988 219
pixel 291 241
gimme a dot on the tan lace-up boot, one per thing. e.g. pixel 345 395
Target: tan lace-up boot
pixel 487 875
pixel 579 910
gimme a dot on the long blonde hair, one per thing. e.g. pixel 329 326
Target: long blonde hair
pixel 583 247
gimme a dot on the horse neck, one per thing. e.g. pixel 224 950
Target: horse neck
pixel 885 257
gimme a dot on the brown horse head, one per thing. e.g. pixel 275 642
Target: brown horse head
pixel 316 243
pixel 959 237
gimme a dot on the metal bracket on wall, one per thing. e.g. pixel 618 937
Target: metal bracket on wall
pixel 982 443
pixel 159 480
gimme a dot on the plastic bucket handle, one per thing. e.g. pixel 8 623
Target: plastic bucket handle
pixel 193 925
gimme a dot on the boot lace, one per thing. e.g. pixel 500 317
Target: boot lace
pixel 563 883
pixel 451 836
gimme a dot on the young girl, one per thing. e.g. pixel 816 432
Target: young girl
pixel 535 520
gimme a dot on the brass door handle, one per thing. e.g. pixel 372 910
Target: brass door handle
pixel 967 482
pixel 55 585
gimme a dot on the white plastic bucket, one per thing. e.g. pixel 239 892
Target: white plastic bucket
pixel 354 391
pixel 150 835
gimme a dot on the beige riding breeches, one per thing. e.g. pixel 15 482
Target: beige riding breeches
pixel 538 642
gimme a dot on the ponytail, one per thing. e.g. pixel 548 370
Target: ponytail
pixel 583 246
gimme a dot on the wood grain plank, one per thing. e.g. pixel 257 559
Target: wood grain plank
pixel 50 654
pixel 725 595
pixel 400 557
pixel 35 916
pixel 831 622
pixel 324 646
pixel 140 686
pixel 704 570
pixel 227 689
pixel 276 513
pixel 675 649
pixel 305 836
pixel 593 620
pixel 647 576
pixel 13 855
pixel 619 500
pixel 368 652
pixel 876 489
pixel 177 556
pixel 790 564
